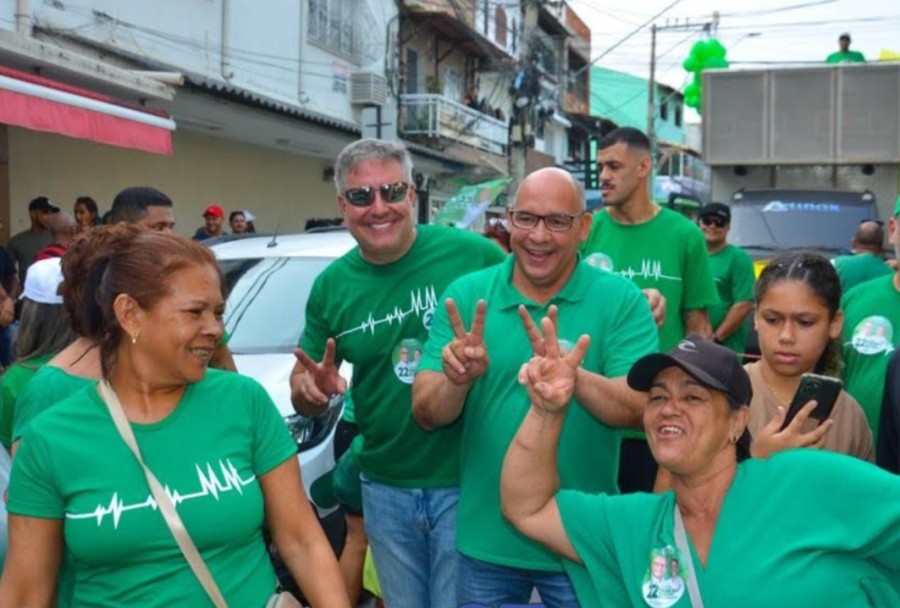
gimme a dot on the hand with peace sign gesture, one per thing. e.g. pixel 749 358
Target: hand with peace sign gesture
pixel 313 384
pixel 465 358
pixel 549 376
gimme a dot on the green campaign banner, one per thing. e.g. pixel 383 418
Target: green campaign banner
pixel 464 207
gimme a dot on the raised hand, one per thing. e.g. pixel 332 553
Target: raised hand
pixel 771 439
pixel 465 357
pixel 550 378
pixel 531 328
pixel 322 380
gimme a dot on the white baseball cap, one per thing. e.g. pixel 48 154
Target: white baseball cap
pixel 42 282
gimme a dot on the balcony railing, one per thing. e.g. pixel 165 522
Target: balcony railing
pixel 436 116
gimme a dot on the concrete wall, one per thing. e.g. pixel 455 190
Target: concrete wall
pixel 622 98
pixel 262 47
pixel 274 186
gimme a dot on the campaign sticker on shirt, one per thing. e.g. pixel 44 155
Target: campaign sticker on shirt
pixel 873 335
pixel 664 582
pixel 601 261
pixel 406 357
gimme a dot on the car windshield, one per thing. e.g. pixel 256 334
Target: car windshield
pixel 784 224
pixel 264 310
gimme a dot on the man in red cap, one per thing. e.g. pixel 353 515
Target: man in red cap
pixel 214 217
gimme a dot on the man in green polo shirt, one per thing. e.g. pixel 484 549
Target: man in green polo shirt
pixel 470 377
pixel 872 333
pixel 867 261
pixel 373 308
pixel 845 55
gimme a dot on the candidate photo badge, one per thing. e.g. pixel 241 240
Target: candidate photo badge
pixel 873 335
pixel 664 582
pixel 600 260
pixel 405 358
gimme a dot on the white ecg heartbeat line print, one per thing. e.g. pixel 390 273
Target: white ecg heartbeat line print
pixel 650 269
pixel 419 302
pixel 209 485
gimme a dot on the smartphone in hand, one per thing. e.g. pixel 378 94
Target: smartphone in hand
pixel 824 389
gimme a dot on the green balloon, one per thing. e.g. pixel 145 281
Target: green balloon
pixel 691 90
pixel 716 63
pixel 698 51
pixel 714 48
pixel 691 64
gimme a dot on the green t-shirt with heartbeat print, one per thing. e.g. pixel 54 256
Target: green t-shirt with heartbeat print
pixel 379 316
pixel 667 253
pixel 209 452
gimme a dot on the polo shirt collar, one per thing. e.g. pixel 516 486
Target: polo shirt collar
pixel 575 289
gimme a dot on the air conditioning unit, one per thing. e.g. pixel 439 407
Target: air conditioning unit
pixel 368 89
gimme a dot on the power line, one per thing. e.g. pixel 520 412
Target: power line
pixel 781 9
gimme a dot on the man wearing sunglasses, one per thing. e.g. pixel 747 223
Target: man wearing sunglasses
pixel 867 261
pixel 371 308
pixel 486 330
pixel 732 271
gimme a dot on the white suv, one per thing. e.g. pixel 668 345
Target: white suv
pixel 268 280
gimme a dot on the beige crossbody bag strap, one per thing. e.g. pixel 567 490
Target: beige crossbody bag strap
pixel 173 521
pixel 685 550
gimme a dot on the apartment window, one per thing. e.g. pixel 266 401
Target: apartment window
pixel 677 114
pixel 500 26
pixel 664 111
pixel 333 26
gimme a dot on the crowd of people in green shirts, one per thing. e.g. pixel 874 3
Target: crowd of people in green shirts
pixel 591 361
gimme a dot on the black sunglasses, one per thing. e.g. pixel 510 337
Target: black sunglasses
pixel 879 222
pixel 710 220
pixel 365 196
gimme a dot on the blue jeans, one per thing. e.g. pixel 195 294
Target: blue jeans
pixel 412 533
pixel 483 584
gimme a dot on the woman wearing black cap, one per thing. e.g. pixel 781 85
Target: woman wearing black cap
pixel 803 528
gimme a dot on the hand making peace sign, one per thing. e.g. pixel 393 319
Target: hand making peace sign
pixel 465 358
pixel 549 376
pixel 322 380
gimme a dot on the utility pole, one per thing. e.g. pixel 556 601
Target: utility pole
pixel 651 94
pixel 709 27
pixel 523 101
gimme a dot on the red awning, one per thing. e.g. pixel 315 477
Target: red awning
pixel 42 104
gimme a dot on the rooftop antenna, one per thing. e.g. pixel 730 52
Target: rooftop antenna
pixel 274 241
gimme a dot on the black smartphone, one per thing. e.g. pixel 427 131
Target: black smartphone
pixel 824 389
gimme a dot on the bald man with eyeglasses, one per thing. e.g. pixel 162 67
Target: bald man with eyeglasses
pixel 484 331
pixel 373 307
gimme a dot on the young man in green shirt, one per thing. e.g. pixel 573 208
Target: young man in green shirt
pixel 732 271
pixel 470 378
pixel 661 251
pixel 373 308
pixel 845 55
pixel 872 333
pixel 867 262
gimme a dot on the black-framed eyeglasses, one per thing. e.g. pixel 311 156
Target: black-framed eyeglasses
pixel 365 195
pixel 714 220
pixel 879 222
pixel 555 222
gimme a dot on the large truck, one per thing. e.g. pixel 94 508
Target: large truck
pixel 813 128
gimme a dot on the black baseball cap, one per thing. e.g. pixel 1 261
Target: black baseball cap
pixel 712 365
pixel 42 203
pixel 716 209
